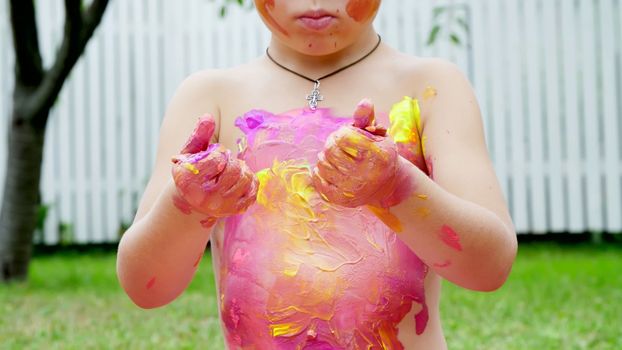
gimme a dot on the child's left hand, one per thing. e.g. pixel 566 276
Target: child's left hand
pixel 359 163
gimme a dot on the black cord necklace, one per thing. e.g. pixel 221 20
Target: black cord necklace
pixel 315 96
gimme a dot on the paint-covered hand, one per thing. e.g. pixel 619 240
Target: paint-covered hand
pixel 209 178
pixel 359 163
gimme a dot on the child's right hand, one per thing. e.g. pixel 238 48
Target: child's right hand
pixel 209 178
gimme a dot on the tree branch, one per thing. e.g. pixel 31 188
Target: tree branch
pixel 28 63
pixel 79 28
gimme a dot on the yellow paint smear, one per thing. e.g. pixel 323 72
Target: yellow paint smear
pixel 285 329
pixel 191 167
pixel 429 93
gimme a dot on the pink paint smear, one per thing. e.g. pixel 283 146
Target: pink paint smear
pixel 450 238
pixel 297 272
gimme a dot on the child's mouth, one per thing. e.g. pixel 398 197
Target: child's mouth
pixel 316 20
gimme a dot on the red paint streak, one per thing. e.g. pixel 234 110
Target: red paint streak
pixel 430 166
pixel 264 7
pixel 198 259
pixel 182 205
pixel 151 282
pixel 446 263
pixel 421 320
pixel 209 222
pixel 450 237
pixel 361 10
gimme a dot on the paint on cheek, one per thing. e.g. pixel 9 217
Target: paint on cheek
pixel 444 264
pixel 429 93
pixel 264 7
pixel 182 205
pixel 450 238
pixel 362 10
pixel 151 282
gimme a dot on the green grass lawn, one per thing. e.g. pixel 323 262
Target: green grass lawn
pixel 566 297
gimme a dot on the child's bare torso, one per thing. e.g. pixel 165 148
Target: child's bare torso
pixel 294 272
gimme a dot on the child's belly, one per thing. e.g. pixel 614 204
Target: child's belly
pixel 297 273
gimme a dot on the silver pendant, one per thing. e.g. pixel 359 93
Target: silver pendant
pixel 315 96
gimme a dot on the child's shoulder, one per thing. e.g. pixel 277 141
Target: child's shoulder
pixel 430 69
pixel 435 82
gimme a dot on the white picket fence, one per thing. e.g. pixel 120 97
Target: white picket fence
pixel 548 74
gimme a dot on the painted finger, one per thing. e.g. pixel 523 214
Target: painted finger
pixel 329 191
pixel 201 136
pixel 199 166
pixel 239 187
pixel 213 163
pixel 229 177
pixel 364 114
pixel 327 171
pixel 341 160
pixel 249 197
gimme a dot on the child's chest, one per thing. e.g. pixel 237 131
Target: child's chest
pixel 294 269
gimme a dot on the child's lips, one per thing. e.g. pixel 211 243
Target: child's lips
pixel 316 23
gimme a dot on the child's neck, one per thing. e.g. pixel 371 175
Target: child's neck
pixel 315 66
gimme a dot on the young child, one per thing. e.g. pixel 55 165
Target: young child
pixel 332 223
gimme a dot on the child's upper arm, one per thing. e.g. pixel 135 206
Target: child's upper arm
pixel 196 96
pixel 455 145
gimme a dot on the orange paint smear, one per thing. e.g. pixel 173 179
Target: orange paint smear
pixel 389 219
pixel 423 212
pixel 361 10
pixel 264 9
pixel 151 282
pixel 198 260
pixel 209 222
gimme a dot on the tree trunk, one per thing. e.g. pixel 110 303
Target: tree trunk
pixel 18 216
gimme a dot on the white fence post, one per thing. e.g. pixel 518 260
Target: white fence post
pixel 547 75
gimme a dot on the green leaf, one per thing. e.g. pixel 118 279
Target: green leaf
pixel 433 34
pixel 455 39
pixel 437 11
pixel 463 23
pixel 42 213
pixel 223 11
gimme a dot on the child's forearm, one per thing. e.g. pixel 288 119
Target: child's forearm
pixel 462 241
pixel 159 254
